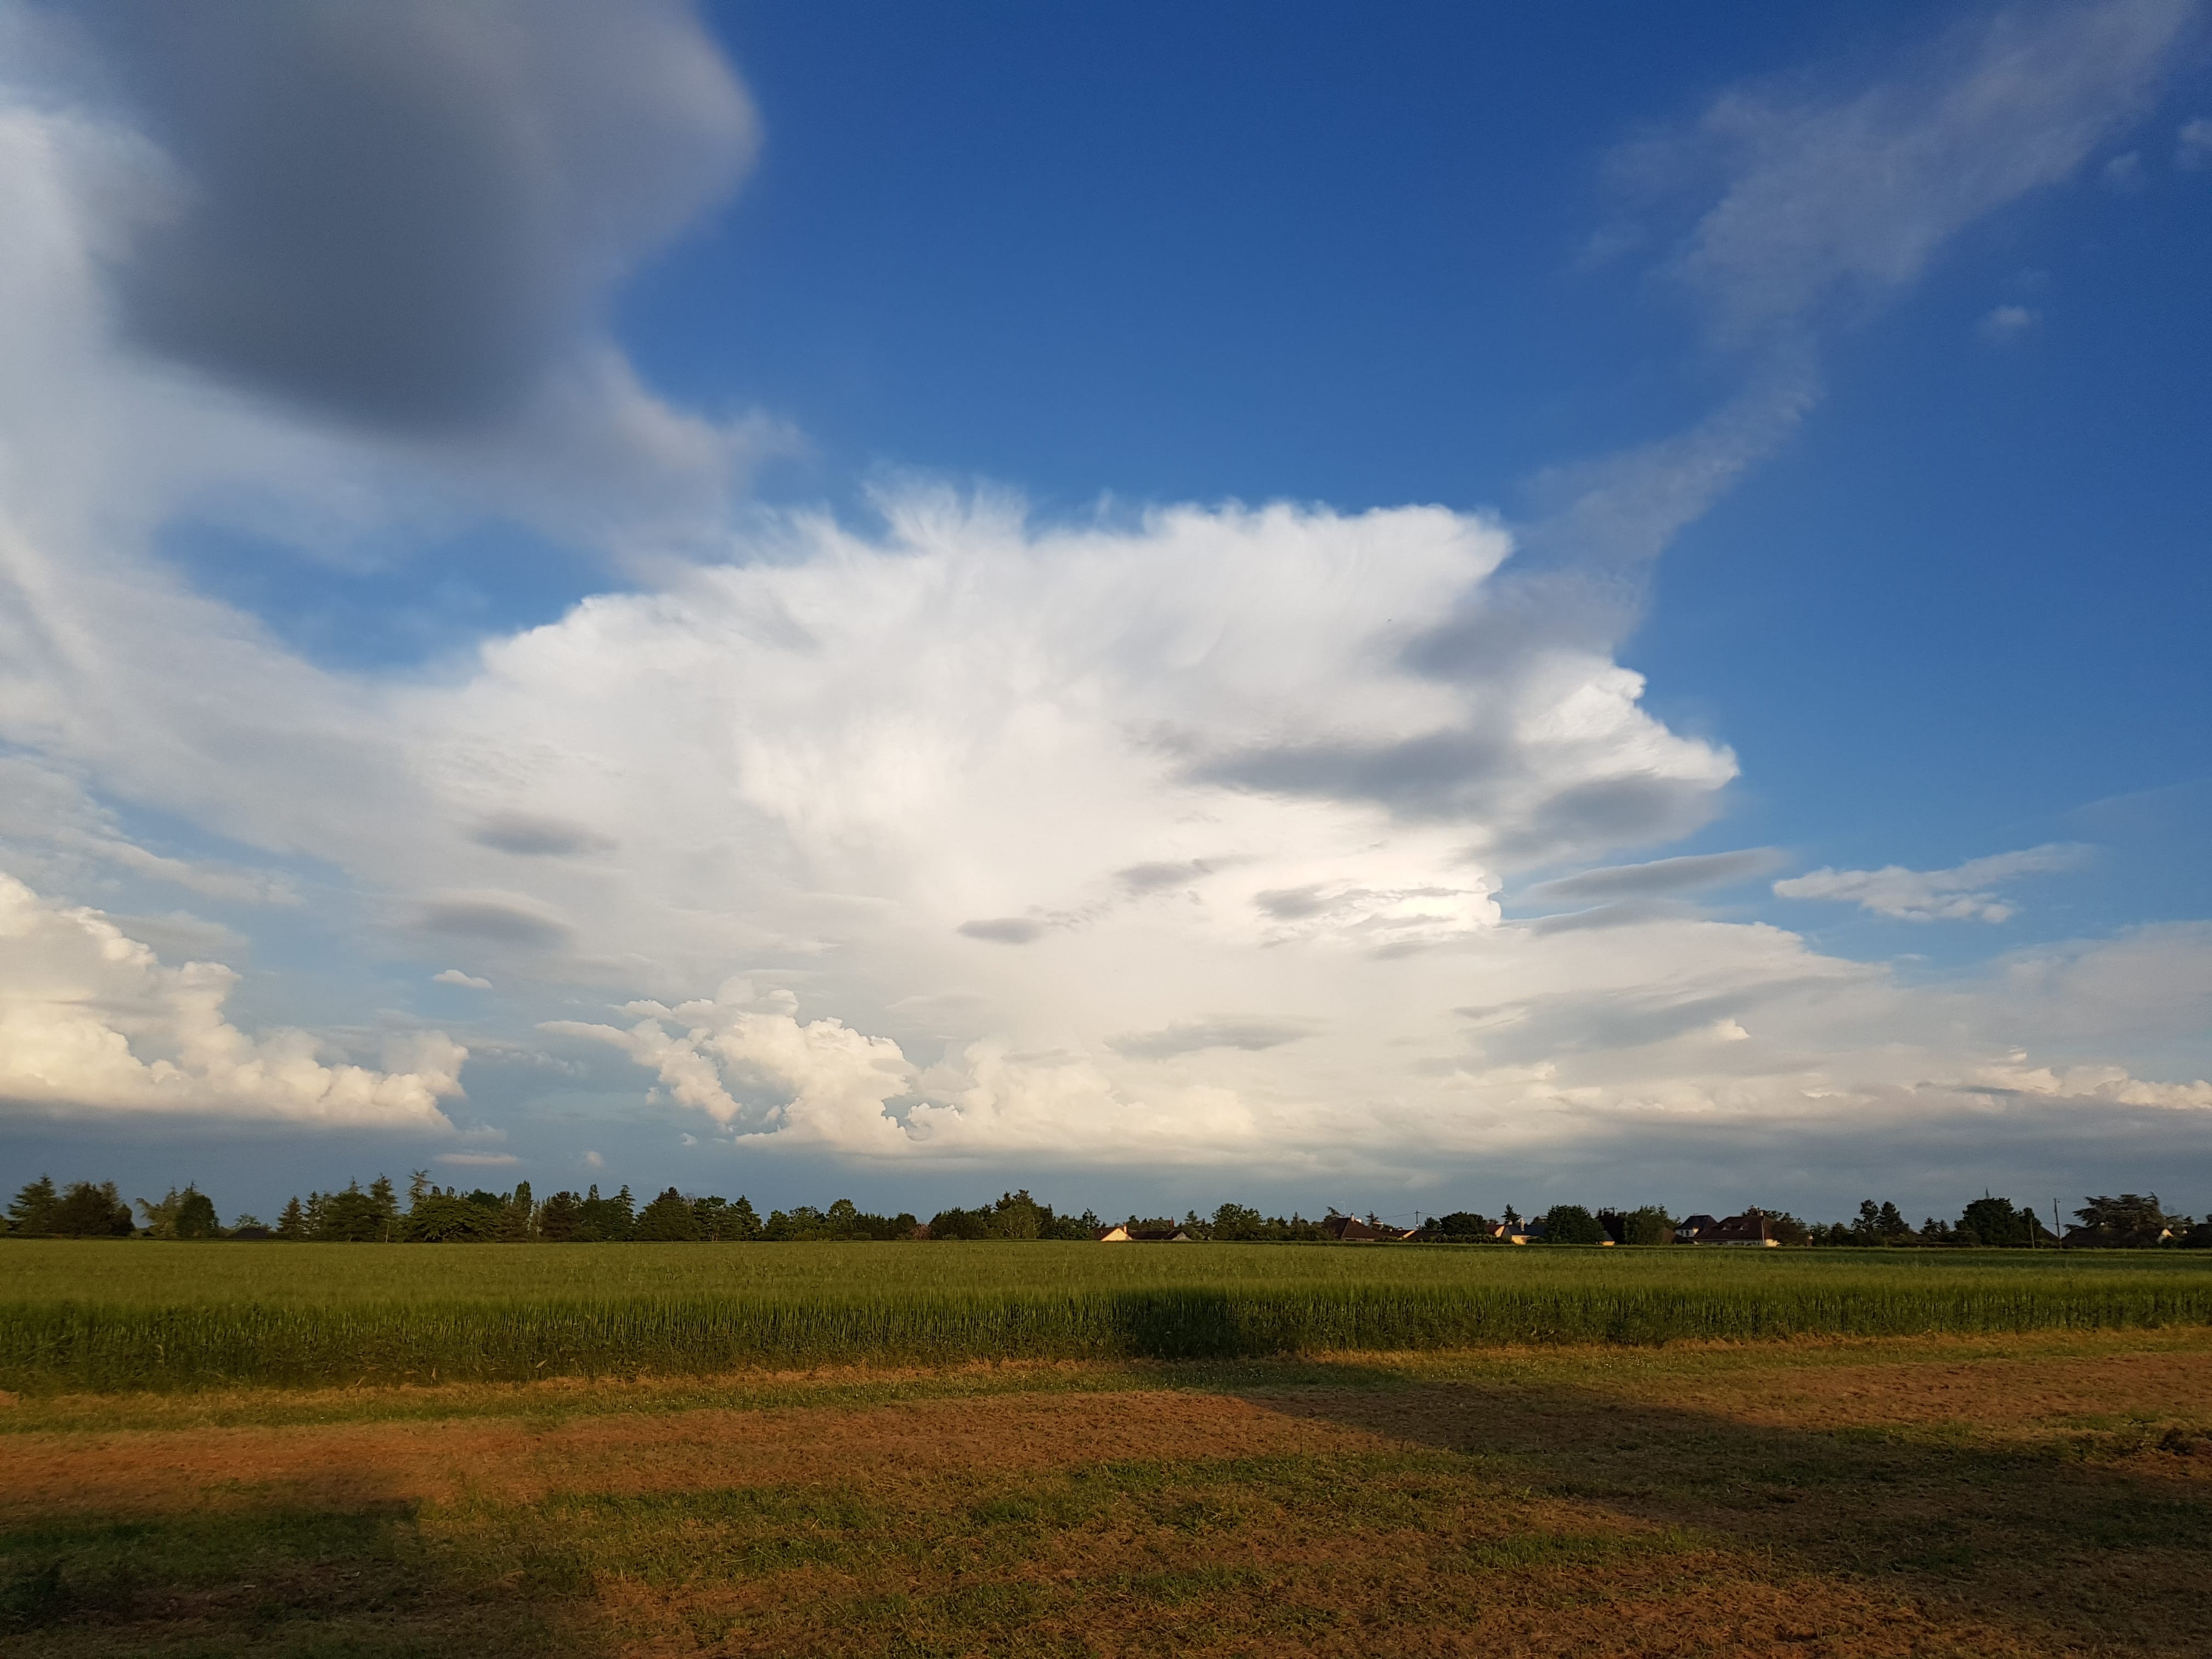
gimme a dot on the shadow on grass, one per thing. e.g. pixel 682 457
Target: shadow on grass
pixel 357 1581
pixel 2102 1543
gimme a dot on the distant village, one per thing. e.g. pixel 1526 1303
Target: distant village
pixel 431 1214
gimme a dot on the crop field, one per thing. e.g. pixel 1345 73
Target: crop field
pixel 110 1315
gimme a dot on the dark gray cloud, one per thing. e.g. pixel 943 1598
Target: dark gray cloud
pixel 528 836
pixel 1681 875
pixel 1192 1036
pixel 1487 782
pixel 497 920
pixel 1005 930
pixel 405 212
pixel 1292 903
pixel 1437 775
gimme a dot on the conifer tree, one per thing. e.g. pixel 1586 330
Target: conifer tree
pixel 33 1212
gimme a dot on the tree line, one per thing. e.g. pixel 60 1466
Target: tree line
pixel 436 1215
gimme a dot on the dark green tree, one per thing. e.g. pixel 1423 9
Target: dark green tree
pixel 352 1217
pixel 292 1223
pixel 1570 1223
pixel 188 1214
pixel 32 1213
pixel 605 1220
pixel 2129 1222
pixel 1993 1223
pixel 86 1211
pixel 387 1209
pixel 558 1218
pixel 1648 1224
pixel 449 1217
pixel 667 1220
pixel 1460 1227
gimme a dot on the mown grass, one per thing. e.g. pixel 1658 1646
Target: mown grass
pixel 1917 1496
pixel 130 1316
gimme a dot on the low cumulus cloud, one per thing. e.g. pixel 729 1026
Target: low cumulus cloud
pixel 92 1021
pixel 1964 893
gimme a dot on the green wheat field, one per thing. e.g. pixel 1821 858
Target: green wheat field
pixel 129 1315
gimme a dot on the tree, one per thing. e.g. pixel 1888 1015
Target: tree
pixel 744 1222
pixel 558 1218
pixel 1460 1227
pixel 1992 1224
pixel 387 1208
pixel 447 1218
pixel 1787 1228
pixel 352 1217
pixel 669 1219
pixel 1880 1223
pixel 188 1214
pixel 1570 1223
pixel 89 1212
pixel 292 1223
pixel 605 1220
pixel 33 1212
pixel 1649 1224
pixel 2128 1222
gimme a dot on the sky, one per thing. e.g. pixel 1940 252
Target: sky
pixel 1404 608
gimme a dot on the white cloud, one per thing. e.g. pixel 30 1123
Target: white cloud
pixel 1017 808
pixel 2101 1083
pixel 455 976
pixel 2193 145
pixel 2125 172
pixel 91 1021
pixel 1966 893
pixel 478 1160
pixel 2004 323
pixel 1849 197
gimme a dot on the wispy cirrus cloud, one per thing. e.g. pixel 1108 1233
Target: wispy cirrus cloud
pixel 1967 893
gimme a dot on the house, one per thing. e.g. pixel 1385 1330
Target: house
pixel 1754 1228
pixel 1350 1229
pixel 1124 1234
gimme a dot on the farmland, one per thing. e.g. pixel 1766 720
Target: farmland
pixel 2001 1495
pixel 103 1316
pixel 1069 1450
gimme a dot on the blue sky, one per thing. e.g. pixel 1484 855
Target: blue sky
pixel 845 598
